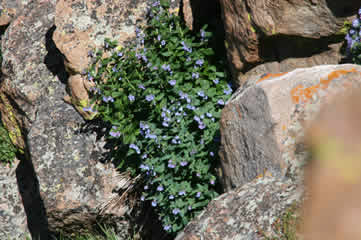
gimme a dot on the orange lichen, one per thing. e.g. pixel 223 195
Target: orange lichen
pixel 300 94
pixel 269 75
pixel 333 75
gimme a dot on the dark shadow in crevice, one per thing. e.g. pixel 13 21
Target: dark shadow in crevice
pixel 209 14
pixel 281 47
pixel 343 8
pixel 29 190
pixel 54 60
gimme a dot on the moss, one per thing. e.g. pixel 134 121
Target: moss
pixel 14 130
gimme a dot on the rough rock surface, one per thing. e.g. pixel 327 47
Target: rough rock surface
pixel 334 173
pixel 247 212
pixel 60 180
pixel 82 26
pixel 12 215
pixel 256 31
pixel 9 9
pixel 263 124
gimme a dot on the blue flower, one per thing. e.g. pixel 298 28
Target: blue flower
pixel 144 156
pixel 195 75
pixel 146 187
pixel 182 193
pixel 166 67
pixel 160 188
pixel 114 134
pixel 228 91
pixel 200 93
pixel 211 153
pixel 216 81
pixel 209 115
pixel 356 23
pixel 359 12
pixel 189 208
pixel 131 98
pixel 135 147
pixel 108 99
pixel 88 109
pixel 188 59
pixel 172 82
pixel 154 203
pixel 166 227
pixel 171 197
pixel 170 164
pixel 175 211
pixel 198 194
pixel 212 182
pixel 141 86
pixel 162 43
pixel 201 126
pixel 142 198
pixel 183 163
pixel 203 33
pixel 200 62
pixel 149 97
pixel 220 102
pixel 120 54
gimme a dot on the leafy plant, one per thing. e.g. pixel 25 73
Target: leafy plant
pixel 353 39
pixel 7 149
pixel 163 97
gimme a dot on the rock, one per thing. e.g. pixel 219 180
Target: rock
pixel 263 124
pixel 247 212
pixel 272 31
pixel 333 176
pixel 82 26
pixel 12 214
pixel 9 9
pixel 62 184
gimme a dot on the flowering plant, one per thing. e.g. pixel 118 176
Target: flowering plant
pixel 353 39
pixel 163 97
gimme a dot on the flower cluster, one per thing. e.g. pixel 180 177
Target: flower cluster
pixel 353 39
pixel 163 97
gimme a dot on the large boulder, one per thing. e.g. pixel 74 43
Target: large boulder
pixel 247 212
pixel 263 124
pixel 272 31
pixel 61 182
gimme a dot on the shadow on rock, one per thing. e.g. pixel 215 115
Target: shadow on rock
pixel 28 185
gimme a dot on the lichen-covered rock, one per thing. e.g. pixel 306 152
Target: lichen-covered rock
pixel 62 184
pixel 9 9
pixel 82 26
pixel 272 31
pixel 12 215
pixel 247 212
pixel 333 176
pixel 263 124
